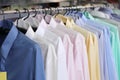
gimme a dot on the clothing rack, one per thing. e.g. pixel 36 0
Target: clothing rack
pixel 26 12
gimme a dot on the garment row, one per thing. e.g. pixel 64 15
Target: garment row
pixel 74 46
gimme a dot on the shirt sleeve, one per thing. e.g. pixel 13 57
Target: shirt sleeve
pixel 85 61
pixel 39 73
pixel 51 64
pixel 62 67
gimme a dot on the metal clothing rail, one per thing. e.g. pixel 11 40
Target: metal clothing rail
pixel 58 8
pixel 22 13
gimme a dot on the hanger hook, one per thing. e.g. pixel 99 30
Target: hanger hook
pixel 27 12
pixel 45 13
pixel 65 10
pixel 2 12
pixel 34 11
pixel 50 11
pixel 58 11
pixel 18 13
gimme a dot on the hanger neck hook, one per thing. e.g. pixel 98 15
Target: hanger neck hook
pixel 27 12
pixel 19 15
pixel 3 14
pixel 34 11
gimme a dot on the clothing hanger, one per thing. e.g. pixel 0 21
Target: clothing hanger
pixel 42 11
pixel 35 11
pixel 76 11
pixel 27 12
pixel 58 12
pixel 3 14
pixel 66 10
pixel 50 11
pixel 17 11
pixel 45 13
pixel 84 10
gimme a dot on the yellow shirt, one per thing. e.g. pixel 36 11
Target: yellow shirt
pixel 91 45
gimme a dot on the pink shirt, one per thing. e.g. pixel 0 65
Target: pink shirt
pixel 79 52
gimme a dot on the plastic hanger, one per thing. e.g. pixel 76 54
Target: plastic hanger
pixel 17 11
pixel 27 12
pixel 3 14
pixel 50 11
pixel 34 12
pixel 57 12
pixel 66 10
pixel 45 13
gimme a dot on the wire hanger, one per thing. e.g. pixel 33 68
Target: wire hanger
pixel 27 12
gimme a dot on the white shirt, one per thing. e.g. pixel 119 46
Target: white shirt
pixel 49 54
pixel 62 73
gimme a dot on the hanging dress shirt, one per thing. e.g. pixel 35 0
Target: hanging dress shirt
pixel 99 35
pixel 80 53
pixel 60 51
pixel 92 47
pixel 25 65
pixel 115 42
pixel 56 40
pixel 69 51
pixel 48 52
pixel 108 60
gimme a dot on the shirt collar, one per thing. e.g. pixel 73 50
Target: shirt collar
pixel 30 33
pixel 53 23
pixel 9 40
pixel 42 27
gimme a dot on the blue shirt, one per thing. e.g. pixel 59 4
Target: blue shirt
pixel 20 57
